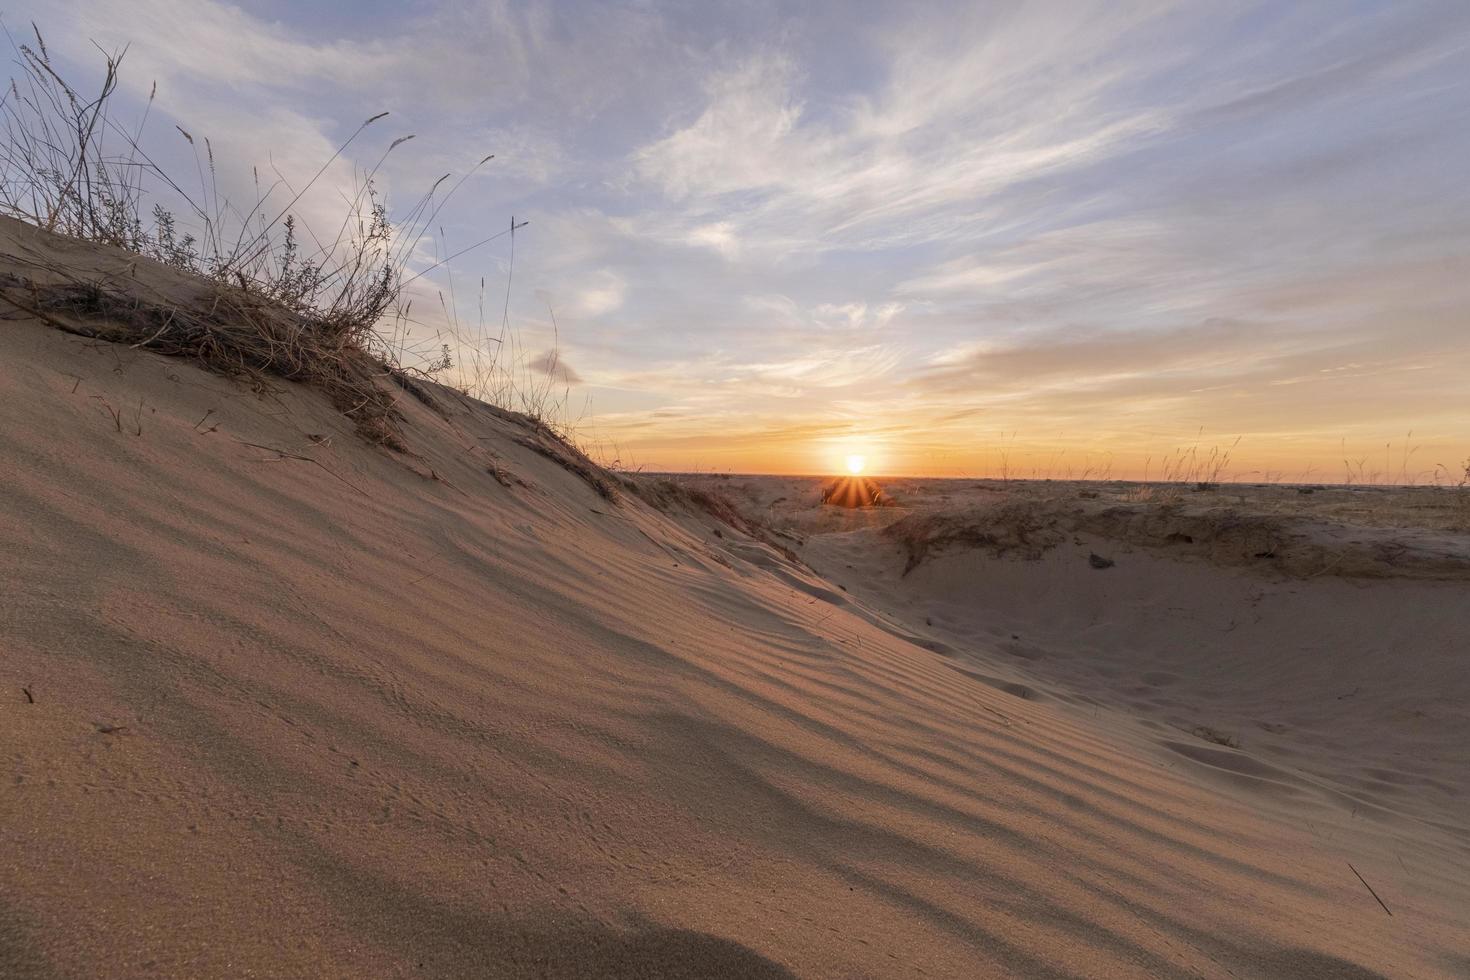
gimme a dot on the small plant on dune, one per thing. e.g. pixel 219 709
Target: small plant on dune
pixel 1211 735
pixel 278 307
pixel 1445 477
pixel 1187 466
pixel 67 167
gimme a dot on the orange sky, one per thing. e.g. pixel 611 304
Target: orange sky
pixel 764 237
pixel 1191 456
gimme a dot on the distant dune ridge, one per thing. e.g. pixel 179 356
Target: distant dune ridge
pixel 283 699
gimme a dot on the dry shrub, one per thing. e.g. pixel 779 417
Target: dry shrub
pixel 1014 527
pixel 546 443
pixel 247 303
pixel 1211 735
pixel 1225 536
pixel 245 298
pixel 667 495
pixel 230 331
pixel 66 166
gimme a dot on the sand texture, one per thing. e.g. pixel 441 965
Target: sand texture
pixel 277 702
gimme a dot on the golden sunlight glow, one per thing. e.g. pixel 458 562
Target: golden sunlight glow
pixel 856 463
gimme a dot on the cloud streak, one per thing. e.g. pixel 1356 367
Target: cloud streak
pixel 770 228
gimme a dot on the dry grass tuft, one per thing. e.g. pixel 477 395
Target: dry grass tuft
pixel 250 291
pixel 250 303
pixel 231 331
pixel 547 443
pixel 1013 527
pixel 1211 735
pixel 667 495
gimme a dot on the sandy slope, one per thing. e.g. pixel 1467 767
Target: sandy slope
pixel 372 715
pixel 1326 650
pixel 1352 691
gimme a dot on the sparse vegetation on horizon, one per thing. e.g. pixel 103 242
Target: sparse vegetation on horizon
pixel 1192 467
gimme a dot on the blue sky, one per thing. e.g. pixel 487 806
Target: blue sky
pixel 773 234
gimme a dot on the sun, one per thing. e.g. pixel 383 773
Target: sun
pixel 855 464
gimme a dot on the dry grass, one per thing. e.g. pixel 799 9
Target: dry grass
pixel 1194 467
pixel 1243 533
pixel 266 309
pixel 667 495
pixel 266 296
pixel 544 441
pixel 1012 527
pixel 235 332
pixel 1211 735
pixel 66 166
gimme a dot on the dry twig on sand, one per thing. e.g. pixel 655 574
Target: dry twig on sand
pixel 285 454
pixel 1368 886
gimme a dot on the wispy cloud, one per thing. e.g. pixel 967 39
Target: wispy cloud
pixel 551 364
pixel 758 226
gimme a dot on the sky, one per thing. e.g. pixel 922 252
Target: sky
pixel 1040 239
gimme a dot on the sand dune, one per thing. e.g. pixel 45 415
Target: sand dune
pixel 277 702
